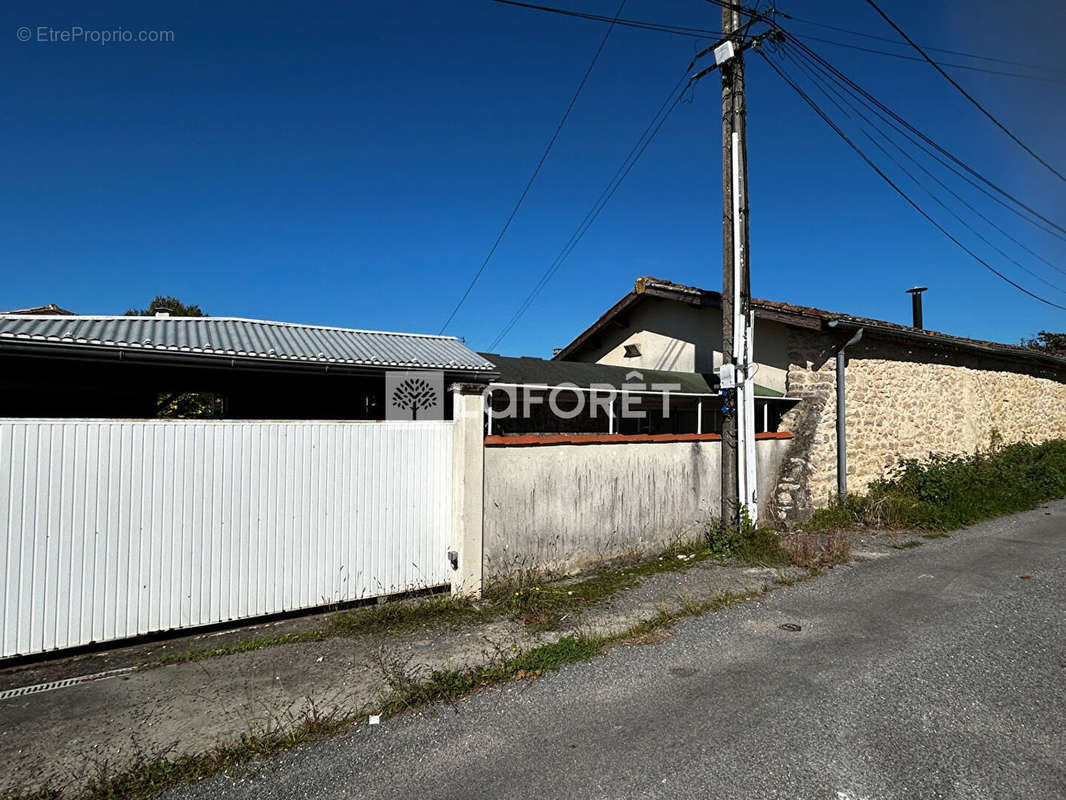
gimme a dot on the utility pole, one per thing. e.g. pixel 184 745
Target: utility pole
pixel 738 322
pixel 736 291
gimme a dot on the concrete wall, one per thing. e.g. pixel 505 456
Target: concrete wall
pixel 903 401
pixel 566 506
pixel 675 336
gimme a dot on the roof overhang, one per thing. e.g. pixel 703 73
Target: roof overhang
pixel 230 343
pixel 940 340
pixel 804 318
pixel 665 290
pixel 219 362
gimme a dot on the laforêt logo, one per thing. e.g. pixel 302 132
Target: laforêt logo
pixel 414 395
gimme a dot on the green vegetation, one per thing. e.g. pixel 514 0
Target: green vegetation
pixel 239 647
pixel 408 691
pixel 151 777
pixel 534 598
pixel 397 617
pixel 405 691
pixel 747 544
pixel 945 492
pixel 403 617
pixel 530 596
pixel 1048 341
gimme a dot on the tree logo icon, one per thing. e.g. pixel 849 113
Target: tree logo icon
pixel 414 395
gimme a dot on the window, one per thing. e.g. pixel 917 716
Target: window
pixel 632 350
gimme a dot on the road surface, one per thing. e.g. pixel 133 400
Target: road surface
pixel 937 673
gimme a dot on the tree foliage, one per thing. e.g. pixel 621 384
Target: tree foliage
pixel 1047 341
pixel 179 404
pixel 171 304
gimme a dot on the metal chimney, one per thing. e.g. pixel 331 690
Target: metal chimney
pixel 916 305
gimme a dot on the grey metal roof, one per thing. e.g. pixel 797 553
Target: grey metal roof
pixel 245 338
pixel 544 372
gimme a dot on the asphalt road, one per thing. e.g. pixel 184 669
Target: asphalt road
pixel 937 673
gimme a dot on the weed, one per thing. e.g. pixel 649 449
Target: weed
pixel 945 492
pixel 439 610
pixel 747 544
pixel 783 579
pixel 394 617
pixel 151 776
pixel 39 794
pixel 529 598
pixel 241 647
pixel 812 550
pixel 405 690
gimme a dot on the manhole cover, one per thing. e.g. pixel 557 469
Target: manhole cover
pixel 790 626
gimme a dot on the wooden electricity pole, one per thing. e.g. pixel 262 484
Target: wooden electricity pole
pixel 735 281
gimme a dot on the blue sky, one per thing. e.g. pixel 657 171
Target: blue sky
pixel 351 164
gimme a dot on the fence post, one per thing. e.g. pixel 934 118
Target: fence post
pixel 468 487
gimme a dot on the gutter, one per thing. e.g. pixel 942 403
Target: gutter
pixel 944 340
pixel 842 432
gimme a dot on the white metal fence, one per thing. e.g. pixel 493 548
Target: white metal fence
pixel 116 528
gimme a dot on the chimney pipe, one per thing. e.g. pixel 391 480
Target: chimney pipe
pixel 916 305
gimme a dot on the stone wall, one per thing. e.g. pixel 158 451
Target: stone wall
pixel 903 401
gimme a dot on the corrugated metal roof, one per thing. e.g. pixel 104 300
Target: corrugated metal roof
pixel 544 372
pixel 247 338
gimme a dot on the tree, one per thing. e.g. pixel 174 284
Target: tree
pixel 415 394
pixel 171 304
pixel 1047 341
pixel 180 405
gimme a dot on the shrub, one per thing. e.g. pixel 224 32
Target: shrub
pixel 944 492
pixel 747 543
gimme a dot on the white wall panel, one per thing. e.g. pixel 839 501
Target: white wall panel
pixel 113 528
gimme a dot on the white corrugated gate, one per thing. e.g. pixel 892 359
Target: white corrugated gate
pixel 118 528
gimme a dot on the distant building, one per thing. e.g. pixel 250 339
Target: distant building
pixel 909 391
pixel 50 310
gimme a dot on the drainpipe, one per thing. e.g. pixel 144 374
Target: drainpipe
pixel 842 439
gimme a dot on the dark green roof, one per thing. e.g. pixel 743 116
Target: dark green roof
pixel 582 373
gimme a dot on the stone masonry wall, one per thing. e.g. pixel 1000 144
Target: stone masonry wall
pixel 903 401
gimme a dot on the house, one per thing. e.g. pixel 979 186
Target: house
pixel 664 401
pixel 119 523
pixel 48 310
pixel 909 391
pixel 119 366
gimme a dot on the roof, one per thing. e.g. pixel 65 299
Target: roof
pixel 796 316
pixel 543 372
pixel 49 310
pixel 232 339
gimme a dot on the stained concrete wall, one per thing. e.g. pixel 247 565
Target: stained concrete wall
pixel 904 401
pixel 566 506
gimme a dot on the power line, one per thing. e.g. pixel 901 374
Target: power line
pixel 836 129
pixel 826 87
pixel 890 40
pixel 814 69
pixel 963 92
pixel 678 30
pixel 536 170
pixel 620 174
pixel 971 68
pixel 998 193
